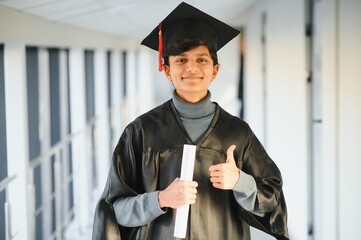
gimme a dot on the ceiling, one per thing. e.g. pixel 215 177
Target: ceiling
pixel 129 18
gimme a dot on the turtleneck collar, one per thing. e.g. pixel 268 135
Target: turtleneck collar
pixel 194 110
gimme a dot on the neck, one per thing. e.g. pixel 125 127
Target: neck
pixel 191 98
pixel 193 110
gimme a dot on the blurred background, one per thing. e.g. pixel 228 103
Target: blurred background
pixel 73 74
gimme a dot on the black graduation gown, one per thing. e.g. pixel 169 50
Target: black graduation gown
pixel 148 157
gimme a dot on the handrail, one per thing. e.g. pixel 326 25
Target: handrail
pixel 5 182
pixel 61 181
pixel 35 162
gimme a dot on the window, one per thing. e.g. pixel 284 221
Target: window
pixel 3 152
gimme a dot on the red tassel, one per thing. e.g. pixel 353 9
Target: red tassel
pixel 160 48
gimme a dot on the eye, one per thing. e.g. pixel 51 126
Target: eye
pixel 180 60
pixel 203 60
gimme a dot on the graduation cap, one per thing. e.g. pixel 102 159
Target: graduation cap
pixel 186 21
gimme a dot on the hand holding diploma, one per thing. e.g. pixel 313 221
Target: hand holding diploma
pixel 181 220
pixel 178 194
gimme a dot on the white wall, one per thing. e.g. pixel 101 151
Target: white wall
pixel 287 113
pixel 342 116
pixel 102 133
pixel 81 168
pixel 17 139
pixel 330 121
pixel 281 122
pixel 349 117
pixel 254 111
pixel 279 118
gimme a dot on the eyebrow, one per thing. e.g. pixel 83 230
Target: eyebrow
pixel 198 55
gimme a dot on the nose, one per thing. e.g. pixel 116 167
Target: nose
pixel 191 66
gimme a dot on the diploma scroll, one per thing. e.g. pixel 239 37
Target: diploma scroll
pixel 181 220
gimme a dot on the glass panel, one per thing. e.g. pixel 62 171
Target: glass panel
pixel 32 76
pixel 3 151
pixel 54 95
pixel 89 83
pixel 2 214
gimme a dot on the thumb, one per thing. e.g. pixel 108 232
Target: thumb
pixel 230 157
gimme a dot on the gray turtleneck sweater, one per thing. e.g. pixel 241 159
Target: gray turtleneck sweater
pixel 196 117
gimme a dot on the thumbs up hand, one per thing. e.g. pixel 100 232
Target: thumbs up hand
pixel 225 175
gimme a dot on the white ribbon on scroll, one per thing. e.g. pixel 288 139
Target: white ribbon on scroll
pixel 181 220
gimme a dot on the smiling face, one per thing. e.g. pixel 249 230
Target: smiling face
pixel 191 73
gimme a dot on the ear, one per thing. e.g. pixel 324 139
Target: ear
pixel 215 71
pixel 166 69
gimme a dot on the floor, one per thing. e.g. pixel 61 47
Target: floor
pixel 86 235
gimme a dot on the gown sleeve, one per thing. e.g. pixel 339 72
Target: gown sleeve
pixel 270 199
pixel 121 181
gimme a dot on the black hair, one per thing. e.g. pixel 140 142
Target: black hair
pixel 187 44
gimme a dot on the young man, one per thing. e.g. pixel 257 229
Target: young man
pixel 235 183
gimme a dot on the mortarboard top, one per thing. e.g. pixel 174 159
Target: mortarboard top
pixel 186 21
